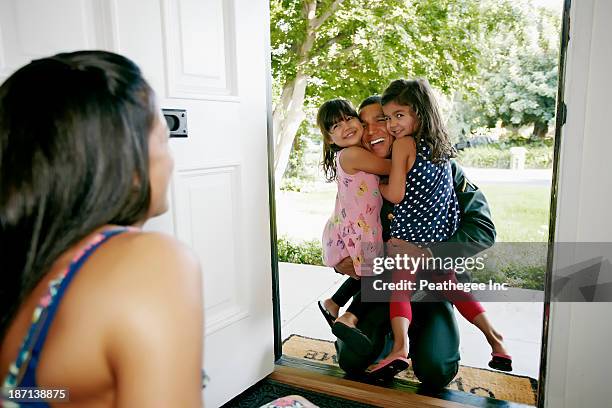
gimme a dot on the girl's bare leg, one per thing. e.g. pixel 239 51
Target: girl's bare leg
pixel 494 338
pixel 399 326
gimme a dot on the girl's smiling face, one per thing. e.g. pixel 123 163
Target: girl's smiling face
pixel 401 119
pixel 346 132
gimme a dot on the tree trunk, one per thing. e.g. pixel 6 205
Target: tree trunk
pixel 287 118
pixel 539 130
pixel 289 112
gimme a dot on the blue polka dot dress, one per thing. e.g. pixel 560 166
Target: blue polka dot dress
pixel 429 211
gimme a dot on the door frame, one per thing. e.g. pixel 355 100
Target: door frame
pixel 560 119
pixel 561 115
pixel 276 313
pixel 278 346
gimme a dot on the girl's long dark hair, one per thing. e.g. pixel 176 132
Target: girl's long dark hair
pixel 330 113
pixel 74 132
pixel 418 94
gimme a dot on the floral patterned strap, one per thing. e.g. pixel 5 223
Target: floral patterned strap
pixel 291 401
pixel 45 310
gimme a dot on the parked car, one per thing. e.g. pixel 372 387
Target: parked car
pixel 473 142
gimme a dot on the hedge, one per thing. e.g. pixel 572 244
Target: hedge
pixel 519 270
pixel 494 156
pixel 305 252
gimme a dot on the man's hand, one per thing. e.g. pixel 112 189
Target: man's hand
pixel 400 247
pixel 346 267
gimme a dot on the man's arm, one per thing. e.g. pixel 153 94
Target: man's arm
pixel 476 230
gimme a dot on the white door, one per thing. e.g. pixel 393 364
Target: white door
pixel 208 57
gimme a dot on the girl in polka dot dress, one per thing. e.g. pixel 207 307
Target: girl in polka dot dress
pixel 426 210
pixel 354 229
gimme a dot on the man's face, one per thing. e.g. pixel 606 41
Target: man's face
pixel 375 137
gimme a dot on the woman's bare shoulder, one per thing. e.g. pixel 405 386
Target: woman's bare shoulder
pixel 137 296
pixel 154 247
pixel 150 279
pixel 154 316
pixel 153 258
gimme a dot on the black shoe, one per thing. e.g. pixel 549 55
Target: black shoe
pixel 353 338
pixel 501 362
pixel 329 318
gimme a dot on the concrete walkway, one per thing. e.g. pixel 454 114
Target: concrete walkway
pixel 520 323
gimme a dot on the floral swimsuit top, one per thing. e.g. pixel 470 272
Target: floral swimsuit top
pixel 22 372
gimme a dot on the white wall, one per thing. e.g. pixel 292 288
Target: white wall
pixel 579 372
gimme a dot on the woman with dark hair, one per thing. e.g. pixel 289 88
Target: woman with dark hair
pixel 88 301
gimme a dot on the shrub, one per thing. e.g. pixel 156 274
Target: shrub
pixel 539 156
pixel 291 184
pixel 490 156
pixel 515 139
pixel 518 264
pixel 306 252
pixel 516 276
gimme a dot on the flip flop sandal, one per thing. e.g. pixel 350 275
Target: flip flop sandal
pixel 387 369
pixel 501 362
pixel 353 338
pixel 329 318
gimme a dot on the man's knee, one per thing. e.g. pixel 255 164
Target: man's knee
pixel 434 344
pixel 351 362
pixel 435 374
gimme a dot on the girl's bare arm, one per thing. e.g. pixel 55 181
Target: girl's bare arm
pixel 404 153
pixel 357 158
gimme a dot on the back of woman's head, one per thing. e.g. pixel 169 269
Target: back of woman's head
pixel 330 113
pixel 419 95
pixel 74 134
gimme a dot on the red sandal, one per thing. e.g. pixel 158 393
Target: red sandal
pixel 387 369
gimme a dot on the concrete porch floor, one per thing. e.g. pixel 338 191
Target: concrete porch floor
pixel 520 323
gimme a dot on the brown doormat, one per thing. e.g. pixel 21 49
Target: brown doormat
pixel 478 381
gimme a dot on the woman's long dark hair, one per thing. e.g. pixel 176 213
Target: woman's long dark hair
pixel 74 132
pixel 330 113
pixel 418 94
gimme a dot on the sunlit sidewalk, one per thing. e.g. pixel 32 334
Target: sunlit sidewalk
pixel 520 323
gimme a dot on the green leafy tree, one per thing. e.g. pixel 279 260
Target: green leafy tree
pixel 353 48
pixel 519 80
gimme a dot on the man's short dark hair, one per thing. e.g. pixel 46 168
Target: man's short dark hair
pixel 370 100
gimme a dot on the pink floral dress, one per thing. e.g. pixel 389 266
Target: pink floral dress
pixel 354 229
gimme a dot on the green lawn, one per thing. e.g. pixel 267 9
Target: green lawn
pixel 520 212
